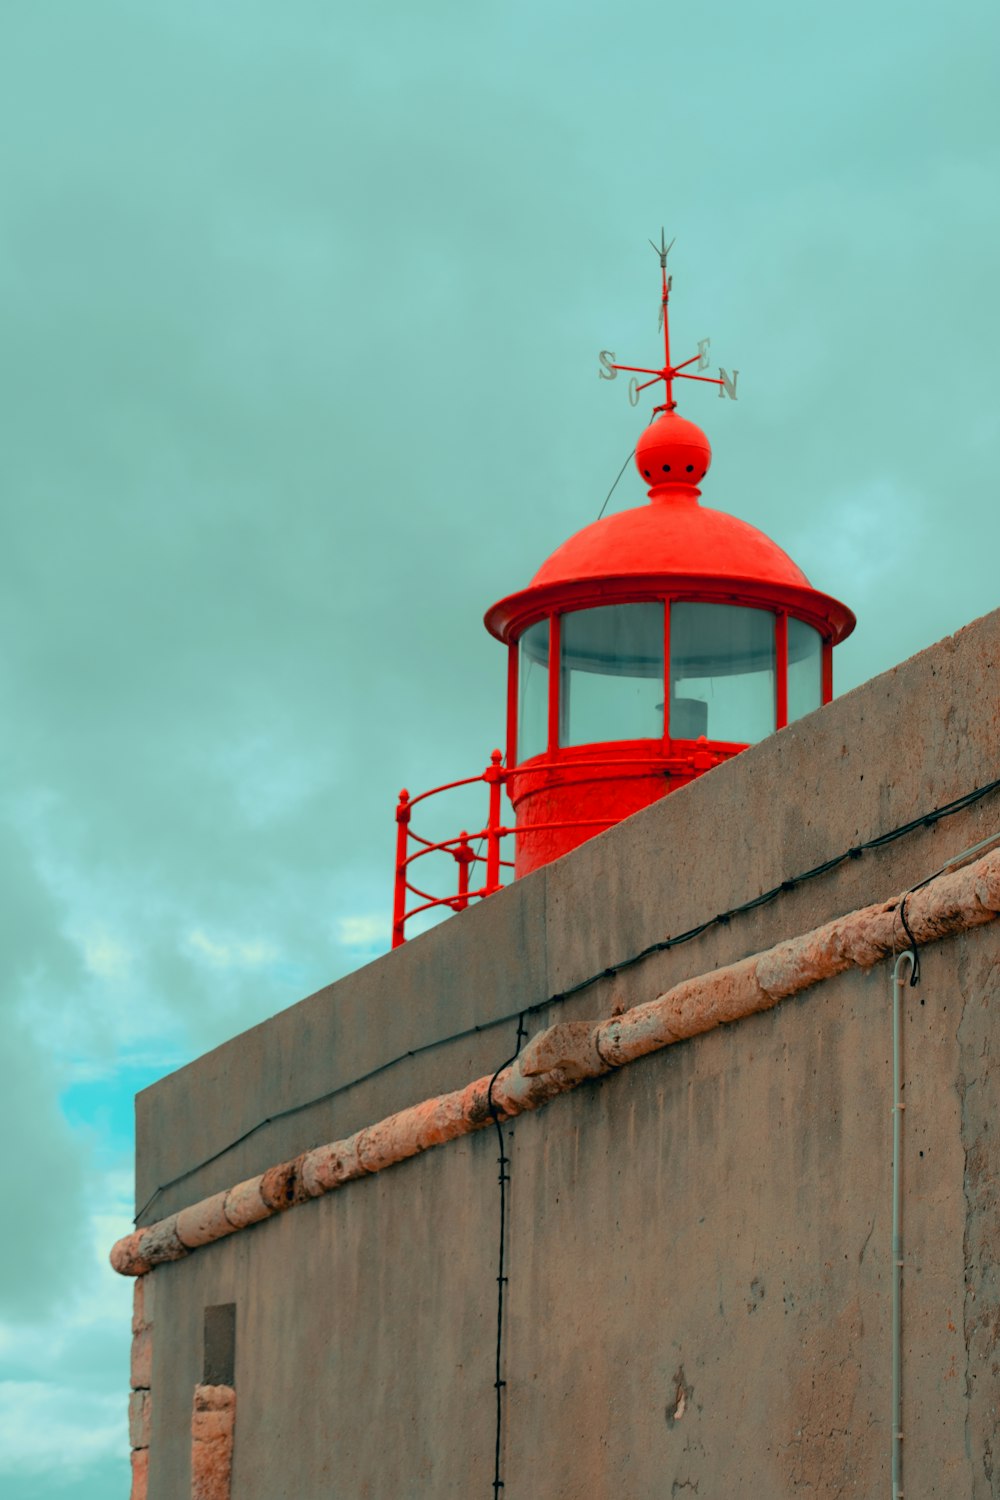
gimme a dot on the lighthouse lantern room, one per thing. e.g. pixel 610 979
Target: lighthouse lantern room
pixel 651 646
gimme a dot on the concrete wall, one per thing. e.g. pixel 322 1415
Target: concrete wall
pixel 698 1245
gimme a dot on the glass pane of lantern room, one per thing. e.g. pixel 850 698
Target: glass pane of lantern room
pixel 533 691
pixel 805 669
pixel 722 677
pixel 611 679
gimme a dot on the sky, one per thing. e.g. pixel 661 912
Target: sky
pixel 300 310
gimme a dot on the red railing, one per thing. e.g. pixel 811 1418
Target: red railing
pixel 460 848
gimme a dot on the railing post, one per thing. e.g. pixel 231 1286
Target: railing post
pixel 464 857
pixel 399 890
pixel 495 777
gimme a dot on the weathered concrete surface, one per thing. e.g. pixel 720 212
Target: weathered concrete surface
pixel 726 1216
pixel 140 1474
pixel 213 1423
pixel 706 1230
pixel 564 1055
pixel 698 1254
pixel 139 1419
pixel 976 1094
pixel 142 1360
pixel 352 1408
pixel 140 1401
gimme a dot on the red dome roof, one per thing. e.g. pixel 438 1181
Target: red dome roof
pixel 670 537
pixel 674 545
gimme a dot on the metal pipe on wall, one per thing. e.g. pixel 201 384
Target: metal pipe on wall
pixel 899 978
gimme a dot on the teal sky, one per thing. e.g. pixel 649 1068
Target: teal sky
pixel 300 308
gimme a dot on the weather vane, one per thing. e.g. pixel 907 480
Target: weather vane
pixel 669 372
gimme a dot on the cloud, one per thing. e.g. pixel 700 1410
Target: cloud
pixel 369 932
pixel 862 533
pixel 238 953
pixel 105 957
pixel 36 963
pixel 64 1371
pixel 45 1427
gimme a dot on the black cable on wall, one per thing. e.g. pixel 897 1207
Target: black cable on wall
pixel 503 1161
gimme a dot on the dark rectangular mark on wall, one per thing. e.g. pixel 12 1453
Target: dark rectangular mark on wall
pixel 220 1344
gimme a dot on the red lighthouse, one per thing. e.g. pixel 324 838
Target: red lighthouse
pixel 648 648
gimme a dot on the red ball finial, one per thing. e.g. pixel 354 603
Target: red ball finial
pixel 673 456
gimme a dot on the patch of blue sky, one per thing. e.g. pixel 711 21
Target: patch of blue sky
pixel 100 1109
